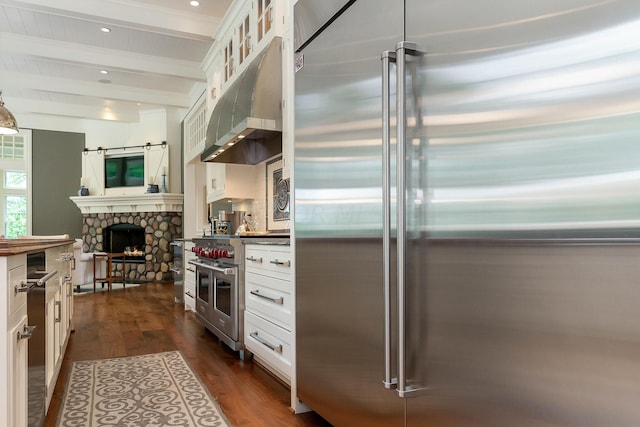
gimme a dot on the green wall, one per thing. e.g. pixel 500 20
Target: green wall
pixel 56 172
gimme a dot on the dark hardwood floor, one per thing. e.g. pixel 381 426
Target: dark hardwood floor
pixel 145 319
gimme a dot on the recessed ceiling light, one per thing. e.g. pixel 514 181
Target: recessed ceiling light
pixel 194 3
pixel 104 72
pixel 105 29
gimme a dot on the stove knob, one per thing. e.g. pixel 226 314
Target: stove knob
pixel 224 253
pixel 217 253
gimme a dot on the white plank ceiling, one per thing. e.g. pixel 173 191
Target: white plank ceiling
pixel 53 55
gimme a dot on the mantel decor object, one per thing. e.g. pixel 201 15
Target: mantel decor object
pixel 83 191
pixel 164 184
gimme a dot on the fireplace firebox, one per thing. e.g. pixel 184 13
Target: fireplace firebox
pixel 126 238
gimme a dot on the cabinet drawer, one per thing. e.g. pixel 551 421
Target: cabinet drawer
pixel 274 261
pixel 270 343
pixel 269 297
pixel 16 301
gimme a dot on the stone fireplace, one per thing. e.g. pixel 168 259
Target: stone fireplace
pixel 148 223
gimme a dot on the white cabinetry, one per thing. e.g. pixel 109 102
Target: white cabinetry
pixel 58 313
pixel 17 373
pixel 15 331
pixel 13 359
pixel 269 307
pixel 189 277
pixel 230 181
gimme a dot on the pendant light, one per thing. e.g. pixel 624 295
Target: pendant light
pixel 8 125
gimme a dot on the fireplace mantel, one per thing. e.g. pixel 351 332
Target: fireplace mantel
pixel 148 202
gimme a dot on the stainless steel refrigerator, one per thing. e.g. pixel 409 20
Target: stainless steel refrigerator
pixel 467 212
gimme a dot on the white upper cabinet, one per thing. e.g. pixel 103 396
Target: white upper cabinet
pixel 248 28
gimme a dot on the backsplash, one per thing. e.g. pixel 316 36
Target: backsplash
pixel 260 208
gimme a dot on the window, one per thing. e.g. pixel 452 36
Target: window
pixel 15 180
pixel 14 184
pixel 12 147
pixel 15 220
pixel 15 203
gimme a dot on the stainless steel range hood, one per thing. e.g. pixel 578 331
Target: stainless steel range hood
pixel 246 123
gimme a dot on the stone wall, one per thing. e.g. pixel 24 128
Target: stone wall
pixel 160 229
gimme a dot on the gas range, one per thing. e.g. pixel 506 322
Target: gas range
pixel 221 250
pixel 220 288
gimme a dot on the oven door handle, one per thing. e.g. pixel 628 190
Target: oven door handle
pixel 227 270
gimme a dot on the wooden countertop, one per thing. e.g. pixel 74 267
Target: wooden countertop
pixel 10 247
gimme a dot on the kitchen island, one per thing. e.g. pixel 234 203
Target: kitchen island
pixel 30 371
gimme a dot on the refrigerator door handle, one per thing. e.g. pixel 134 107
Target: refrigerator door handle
pixel 403 50
pixel 388 58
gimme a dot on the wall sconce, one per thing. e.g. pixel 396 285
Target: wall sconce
pixel 8 124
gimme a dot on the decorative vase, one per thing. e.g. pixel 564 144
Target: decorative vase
pixel 83 191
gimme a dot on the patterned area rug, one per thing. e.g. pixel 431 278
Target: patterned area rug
pixel 150 390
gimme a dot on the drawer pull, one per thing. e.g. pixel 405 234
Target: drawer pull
pixel 24 287
pixel 285 263
pixel 255 336
pixel 26 333
pixel 257 293
pixel 252 259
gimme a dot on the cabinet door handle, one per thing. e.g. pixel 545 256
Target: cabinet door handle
pixel 257 293
pixel 27 332
pixel 58 306
pixel 252 259
pixel 285 263
pixel 277 349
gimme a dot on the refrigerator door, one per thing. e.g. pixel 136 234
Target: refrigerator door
pixel 338 219
pixel 517 130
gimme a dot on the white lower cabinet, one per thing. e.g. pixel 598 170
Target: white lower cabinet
pixel 53 313
pixel 56 302
pixel 269 343
pixel 189 277
pixel 269 307
pixel 14 356
pixel 58 313
pixel 18 374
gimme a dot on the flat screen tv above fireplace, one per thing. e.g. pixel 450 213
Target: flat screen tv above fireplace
pixel 124 171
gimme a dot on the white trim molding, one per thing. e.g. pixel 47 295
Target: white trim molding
pixel 152 202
